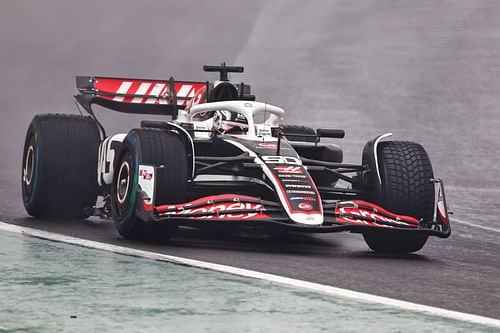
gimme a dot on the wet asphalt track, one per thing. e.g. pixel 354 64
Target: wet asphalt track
pixel 428 71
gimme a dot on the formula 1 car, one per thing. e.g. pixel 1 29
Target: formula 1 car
pixel 223 160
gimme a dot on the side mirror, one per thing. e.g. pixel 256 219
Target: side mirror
pixel 330 133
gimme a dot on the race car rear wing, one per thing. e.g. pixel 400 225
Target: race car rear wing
pixel 157 97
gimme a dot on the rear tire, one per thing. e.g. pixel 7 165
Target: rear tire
pixel 407 189
pixel 59 166
pixel 159 148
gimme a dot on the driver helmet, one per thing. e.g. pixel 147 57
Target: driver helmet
pixel 230 122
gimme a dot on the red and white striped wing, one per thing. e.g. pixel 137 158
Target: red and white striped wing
pixel 145 91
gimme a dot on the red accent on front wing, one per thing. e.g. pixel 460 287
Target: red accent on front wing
pixel 371 214
pixel 239 207
pixel 225 207
pixel 227 197
pixel 444 219
pixel 385 211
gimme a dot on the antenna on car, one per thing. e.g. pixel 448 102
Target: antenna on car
pixel 265 113
pixel 223 70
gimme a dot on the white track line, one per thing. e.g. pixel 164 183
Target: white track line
pixel 474 225
pixel 358 296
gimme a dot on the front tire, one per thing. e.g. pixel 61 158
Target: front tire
pixel 59 163
pixel 166 152
pixel 407 189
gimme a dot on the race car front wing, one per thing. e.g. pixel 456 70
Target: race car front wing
pixel 352 215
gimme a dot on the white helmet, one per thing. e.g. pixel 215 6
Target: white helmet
pixel 230 122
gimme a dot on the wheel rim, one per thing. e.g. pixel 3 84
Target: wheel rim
pixel 123 182
pixel 29 166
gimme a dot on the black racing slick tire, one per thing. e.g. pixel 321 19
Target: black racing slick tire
pixel 407 189
pixel 59 166
pixel 163 150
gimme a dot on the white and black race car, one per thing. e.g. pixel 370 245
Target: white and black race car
pixel 224 159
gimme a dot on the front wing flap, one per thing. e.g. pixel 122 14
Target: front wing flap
pixel 354 216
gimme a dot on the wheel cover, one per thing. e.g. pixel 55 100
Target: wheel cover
pixel 123 182
pixel 29 166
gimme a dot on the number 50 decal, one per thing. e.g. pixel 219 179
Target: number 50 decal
pixel 282 160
